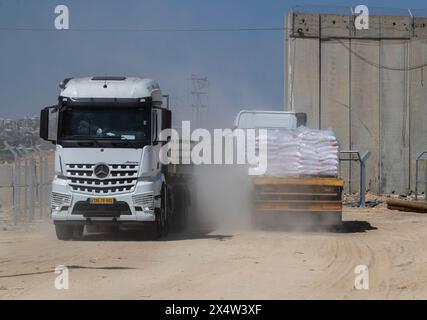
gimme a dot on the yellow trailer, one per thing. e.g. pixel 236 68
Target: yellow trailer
pixel 300 200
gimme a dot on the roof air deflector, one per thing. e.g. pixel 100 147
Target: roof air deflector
pixel 109 78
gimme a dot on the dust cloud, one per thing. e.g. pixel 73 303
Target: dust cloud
pixel 223 196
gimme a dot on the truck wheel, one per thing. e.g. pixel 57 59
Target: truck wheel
pixel 92 228
pixel 166 211
pixel 162 215
pixel 64 231
pixel 180 209
pixel 78 230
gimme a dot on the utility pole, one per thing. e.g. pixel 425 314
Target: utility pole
pixel 199 94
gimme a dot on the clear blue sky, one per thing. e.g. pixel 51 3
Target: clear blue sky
pixel 245 69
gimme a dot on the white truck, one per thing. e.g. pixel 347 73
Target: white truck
pixel 263 119
pixel 303 200
pixel 107 167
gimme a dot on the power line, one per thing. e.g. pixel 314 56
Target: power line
pixel 237 29
pixel 377 65
pixel 214 29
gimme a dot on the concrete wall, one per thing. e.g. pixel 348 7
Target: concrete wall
pixel 334 97
pixel 6 175
pixel 365 111
pixel 417 104
pixel 358 83
pixel 6 191
pixel 303 87
pixel 394 154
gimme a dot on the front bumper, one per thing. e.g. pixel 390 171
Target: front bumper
pixel 64 212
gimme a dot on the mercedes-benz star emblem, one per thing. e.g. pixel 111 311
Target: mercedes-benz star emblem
pixel 101 170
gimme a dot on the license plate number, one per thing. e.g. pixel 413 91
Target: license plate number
pixel 101 200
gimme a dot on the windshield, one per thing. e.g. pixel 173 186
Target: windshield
pixel 120 123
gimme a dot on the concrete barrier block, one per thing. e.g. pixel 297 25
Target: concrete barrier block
pixel 334 25
pixel 6 175
pixel 420 28
pixel 305 25
pixel 374 30
pixel 395 27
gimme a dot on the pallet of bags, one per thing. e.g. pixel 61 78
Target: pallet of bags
pixel 302 151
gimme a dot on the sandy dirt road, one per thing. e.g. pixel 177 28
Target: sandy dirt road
pixel 224 264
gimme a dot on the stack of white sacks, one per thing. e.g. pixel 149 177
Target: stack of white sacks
pixel 301 151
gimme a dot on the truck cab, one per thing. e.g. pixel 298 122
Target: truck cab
pixel 106 131
pixel 259 119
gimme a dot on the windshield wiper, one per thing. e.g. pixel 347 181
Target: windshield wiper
pixel 96 141
pixel 128 142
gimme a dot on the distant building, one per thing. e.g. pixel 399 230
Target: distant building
pixel 20 131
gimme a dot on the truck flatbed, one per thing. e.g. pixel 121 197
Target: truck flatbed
pixel 307 199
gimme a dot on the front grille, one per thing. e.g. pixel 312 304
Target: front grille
pixel 121 178
pixel 59 200
pixel 145 200
pixel 101 210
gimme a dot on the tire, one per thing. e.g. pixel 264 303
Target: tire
pixel 179 210
pixel 78 231
pixel 92 228
pixel 162 215
pixel 166 211
pixel 64 231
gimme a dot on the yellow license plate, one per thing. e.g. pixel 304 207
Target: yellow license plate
pixel 102 200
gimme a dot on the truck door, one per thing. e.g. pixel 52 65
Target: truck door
pixel 155 135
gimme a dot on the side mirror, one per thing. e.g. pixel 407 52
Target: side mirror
pixel 44 123
pixel 154 128
pixel 165 126
pixel 162 120
pixel 48 123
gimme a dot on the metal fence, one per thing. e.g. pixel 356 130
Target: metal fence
pixel 26 175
